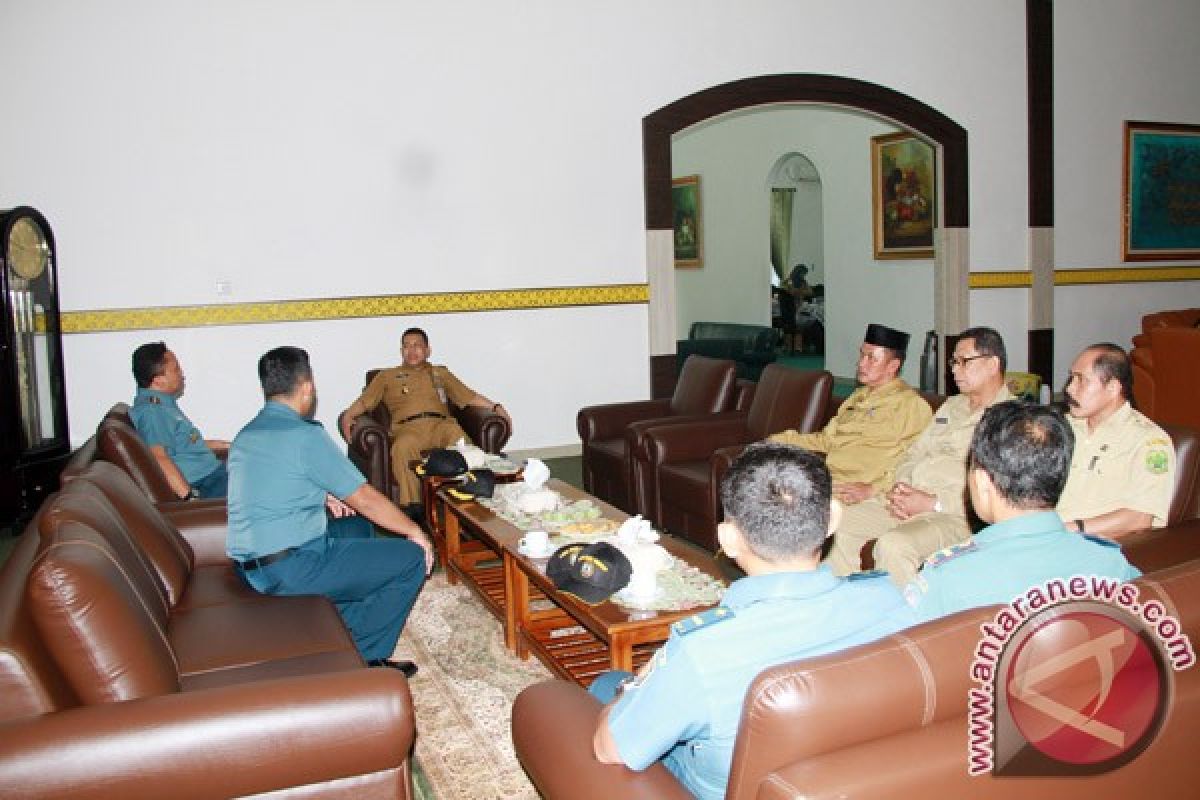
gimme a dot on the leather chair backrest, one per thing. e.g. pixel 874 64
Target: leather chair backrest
pixel 93 605
pixel 168 553
pixel 380 412
pixel 30 681
pixel 789 399
pixel 118 442
pixel 705 386
pixel 904 682
pixel 1185 499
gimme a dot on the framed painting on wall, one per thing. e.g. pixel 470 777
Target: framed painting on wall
pixel 903 201
pixel 685 202
pixel 1161 192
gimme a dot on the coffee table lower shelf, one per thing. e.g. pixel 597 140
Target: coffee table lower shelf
pixel 570 650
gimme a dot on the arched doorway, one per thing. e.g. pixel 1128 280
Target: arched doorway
pixel 948 138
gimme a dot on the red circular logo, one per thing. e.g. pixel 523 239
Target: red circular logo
pixel 1086 687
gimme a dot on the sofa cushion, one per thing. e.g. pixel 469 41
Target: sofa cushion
pixel 105 638
pixel 238 635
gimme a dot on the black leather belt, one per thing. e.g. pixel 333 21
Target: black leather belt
pixel 251 564
pixel 423 415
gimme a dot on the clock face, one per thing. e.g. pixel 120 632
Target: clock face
pixel 28 250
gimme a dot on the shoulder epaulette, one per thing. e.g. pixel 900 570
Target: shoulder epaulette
pixel 950 553
pixel 697 621
pixel 1100 540
pixel 862 576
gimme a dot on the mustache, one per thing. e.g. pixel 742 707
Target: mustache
pixel 1071 401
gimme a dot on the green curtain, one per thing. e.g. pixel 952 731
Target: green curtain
pixel 781 230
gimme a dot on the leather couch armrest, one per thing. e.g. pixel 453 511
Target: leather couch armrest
pixel 609 421
pixel 691 441
pixel 371 451
pixel 204 524
pixel 552 727
pixel 1157 548
pixel 635 432
pixel 489 430
pixel 249 739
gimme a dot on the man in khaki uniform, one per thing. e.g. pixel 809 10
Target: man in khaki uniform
pixel 416 394
pixel 924 511
pixel 1123 469
pixel 874 425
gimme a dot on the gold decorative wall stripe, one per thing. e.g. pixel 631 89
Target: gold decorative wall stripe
pixel 1016 279
pixel 1080 277
pixel 1000 280
pixel 393 305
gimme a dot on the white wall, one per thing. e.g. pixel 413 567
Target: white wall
pixel 1114 60
pixel 305 148
pixel 734 157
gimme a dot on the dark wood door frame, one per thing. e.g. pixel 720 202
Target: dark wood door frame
pixel 947 136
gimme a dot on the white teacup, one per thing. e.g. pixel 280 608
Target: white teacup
pixel 535 542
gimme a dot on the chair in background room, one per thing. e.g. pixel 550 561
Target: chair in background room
pixel 678 468
pixel 706 386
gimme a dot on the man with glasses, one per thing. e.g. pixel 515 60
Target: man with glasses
pixel 874 426
pixel 924 511
pixel 1123 471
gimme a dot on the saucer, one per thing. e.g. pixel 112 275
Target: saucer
pixel 528 553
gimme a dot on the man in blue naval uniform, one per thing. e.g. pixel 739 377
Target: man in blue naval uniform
pixel 685 705
pixel 284 474
pixel 188 460
pixel 1019 460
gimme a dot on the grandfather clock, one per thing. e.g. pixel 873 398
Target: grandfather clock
pixel 34 442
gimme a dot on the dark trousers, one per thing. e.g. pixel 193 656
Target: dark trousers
pixel 373 581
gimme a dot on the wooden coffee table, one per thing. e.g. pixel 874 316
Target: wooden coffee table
pixel 573 639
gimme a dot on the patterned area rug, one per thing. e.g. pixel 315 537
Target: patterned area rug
pixel 463 696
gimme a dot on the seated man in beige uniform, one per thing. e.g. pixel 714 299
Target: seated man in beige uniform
pixel 416 394
pixel 1123 470
pixel 924 511
pixel 874 425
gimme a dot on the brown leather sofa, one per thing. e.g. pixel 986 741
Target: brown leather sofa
pixel 674 466
pixel 1166 386
pixel 884 720
pixel 117 442
pixel 135 663
pixel 370 446
pixel 610 432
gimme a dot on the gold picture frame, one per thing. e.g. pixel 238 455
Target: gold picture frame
pixel 688 222
pixel 903 196
pixel 1160 192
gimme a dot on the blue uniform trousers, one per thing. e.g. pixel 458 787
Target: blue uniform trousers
pixel 214 484
pixel 373 581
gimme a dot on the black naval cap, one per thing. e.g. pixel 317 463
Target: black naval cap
pixel 883 336
pixel 475 483
pixel 443 462
pixel 591 572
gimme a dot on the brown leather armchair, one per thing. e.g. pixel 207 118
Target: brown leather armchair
pixel 883 720
pixel 1172 360
pixel 706 386
pixel 676 467
pixel 370 445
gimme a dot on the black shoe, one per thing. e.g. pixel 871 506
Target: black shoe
pixel 407 667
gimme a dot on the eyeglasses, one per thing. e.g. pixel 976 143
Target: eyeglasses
pixel 957 362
